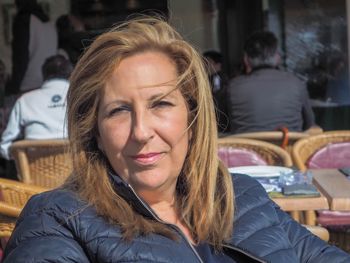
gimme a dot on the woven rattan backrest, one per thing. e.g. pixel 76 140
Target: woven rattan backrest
pixel 274 137
pixel 273 154
pixel 6 229
pixel 14 195
pixel 305 148
pixel 42 162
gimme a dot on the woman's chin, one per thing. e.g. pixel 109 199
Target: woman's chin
pixel 151 182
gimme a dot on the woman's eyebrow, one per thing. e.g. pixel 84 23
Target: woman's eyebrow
pixel 162 95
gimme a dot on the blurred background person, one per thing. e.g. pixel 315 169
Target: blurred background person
pixel 267 98
pixel 40 114
pixel 71 31
pixel 34 40
pixel 218 81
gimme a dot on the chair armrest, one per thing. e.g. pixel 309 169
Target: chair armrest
pixel 319 231
pixel 9 210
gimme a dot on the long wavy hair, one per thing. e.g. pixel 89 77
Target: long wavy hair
pixel 204 196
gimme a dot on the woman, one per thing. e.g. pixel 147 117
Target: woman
pixel 147 185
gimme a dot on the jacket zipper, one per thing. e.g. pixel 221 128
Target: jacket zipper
pixel 171 225
pixel 244 252
pixel 185 238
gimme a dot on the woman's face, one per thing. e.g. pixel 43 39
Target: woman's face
pixel 142 132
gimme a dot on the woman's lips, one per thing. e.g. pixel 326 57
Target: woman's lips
pixel 148 158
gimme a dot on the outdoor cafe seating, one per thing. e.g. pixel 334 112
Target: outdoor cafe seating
pixel 282 137
pixel 241 151
pixel 330 150
pixel 13 196
pixel 254 155
pixel 247 153
pixel 42 162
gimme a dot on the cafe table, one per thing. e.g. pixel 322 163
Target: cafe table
pixel 335 186
pixel 297 204
pixel 294 204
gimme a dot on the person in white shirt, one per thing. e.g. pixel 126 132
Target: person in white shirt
pixel 40 114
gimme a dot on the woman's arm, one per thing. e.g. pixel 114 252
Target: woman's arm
pixel 309 247
pixel 13 130
pixel 43 234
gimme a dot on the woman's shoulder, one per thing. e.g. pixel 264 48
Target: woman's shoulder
pixel 244 184
pixel 59 200
pixel 48 227
pixel 250 197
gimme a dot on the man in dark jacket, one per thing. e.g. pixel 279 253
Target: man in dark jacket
pixel 267 98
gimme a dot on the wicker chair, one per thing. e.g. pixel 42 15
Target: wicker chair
pixel 283 138
pixel 6 229
pixel 14 196
pixel 306 149
pixel 271 154
pixel 42 162
pixel 5 233
pixel 319 231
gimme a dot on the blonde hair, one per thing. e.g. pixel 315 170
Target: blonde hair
pixel 204 190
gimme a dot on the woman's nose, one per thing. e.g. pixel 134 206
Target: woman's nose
pixel 141 130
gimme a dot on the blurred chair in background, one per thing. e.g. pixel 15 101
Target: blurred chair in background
pixel 319 231
pixel 242 152
pixel 44 163
pixel 327 150
pixel 235 152
pixel 283 138
pixel 13 196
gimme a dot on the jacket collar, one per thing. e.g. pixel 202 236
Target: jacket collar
pixel 128 193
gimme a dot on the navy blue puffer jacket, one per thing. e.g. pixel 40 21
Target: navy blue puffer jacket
pixel 58 227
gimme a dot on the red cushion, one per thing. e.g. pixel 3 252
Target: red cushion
pixel 333 218
pixel 334 155
pixel 233 157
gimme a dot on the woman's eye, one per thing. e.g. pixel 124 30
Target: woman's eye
pixel 162 103
pixel 118 110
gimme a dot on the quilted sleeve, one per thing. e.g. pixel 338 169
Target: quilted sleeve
pixel 309 247
pixel 43 234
